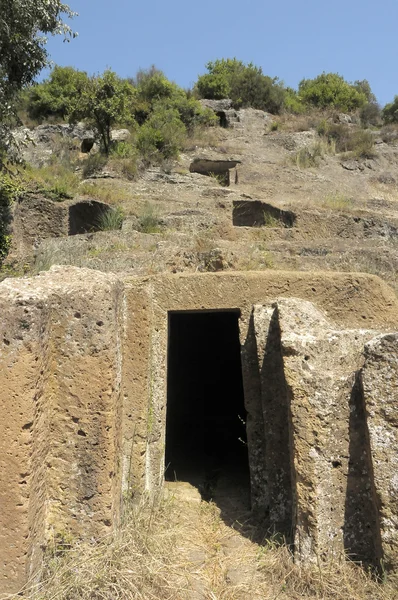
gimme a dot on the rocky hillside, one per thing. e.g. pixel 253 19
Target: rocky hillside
pixel 294 201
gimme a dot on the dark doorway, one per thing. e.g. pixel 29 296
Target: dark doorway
pixel 85 216
pixel 205 428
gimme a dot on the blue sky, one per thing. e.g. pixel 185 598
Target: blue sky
pixel 290 40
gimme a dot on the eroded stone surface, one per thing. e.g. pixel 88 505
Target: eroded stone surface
pixel 379 379
pixel 83 401
pixel 316 484
pixel 60 358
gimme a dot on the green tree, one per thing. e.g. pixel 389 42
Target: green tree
pixel 390 111
pixel 330 90
pixel 244 84
pixel 106 100
pixel 22 44
pixel 155 91
pixel 58 94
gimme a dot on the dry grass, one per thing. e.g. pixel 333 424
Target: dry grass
pixel 337 201
pixel 205 137
pixel 176 550
pixel 104 192
pixel 55 181
pixel 310 156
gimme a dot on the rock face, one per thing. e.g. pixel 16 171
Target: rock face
pixel 316 484
pixel 58 468
pixel 379 383
pixel 83 400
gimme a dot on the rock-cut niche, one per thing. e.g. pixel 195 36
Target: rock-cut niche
pixel 85 216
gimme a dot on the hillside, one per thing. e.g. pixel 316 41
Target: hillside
pixel 344 207
pixel 296 202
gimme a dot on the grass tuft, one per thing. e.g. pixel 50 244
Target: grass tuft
pixel 110 220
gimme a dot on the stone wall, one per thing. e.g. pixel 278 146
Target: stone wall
pixel 83 404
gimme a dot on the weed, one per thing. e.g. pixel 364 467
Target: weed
pixel 389 133
pixel 269 220
pixel 361 144
pixel 148 220
pixel 122 150
pixel 110 220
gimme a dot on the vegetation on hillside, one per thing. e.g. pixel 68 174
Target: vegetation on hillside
pixel 23 51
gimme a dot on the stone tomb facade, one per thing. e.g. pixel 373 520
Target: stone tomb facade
pixel 89 361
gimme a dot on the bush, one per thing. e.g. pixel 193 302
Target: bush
pixel 359 142
pixel 152 86
pixel 293 103
pixel 56 96
pixel 331 90
pixel 10 188
pixel 122 150
pixel 161 136
pixel 389 133
pixel 390 111
pixel 245 85
pixel 311 156
pixel 190 111
pixel 370 114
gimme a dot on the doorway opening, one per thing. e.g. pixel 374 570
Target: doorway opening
pixel 205 426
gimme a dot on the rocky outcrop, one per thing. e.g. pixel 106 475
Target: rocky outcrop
pixel 379 388
pixel 224 110
pixel 327 480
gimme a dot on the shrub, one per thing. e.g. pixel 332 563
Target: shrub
pixel 390 111
pixel 246 85
pixel 361 144
pixel 122 150
pixel 293 103
pixel 370 114
pixel 310 156
pixel 56 96
pixel 389 133
pixel 331 90
pixel 191 112
pixel 10 188
pixel 161 136
pixel 339 133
